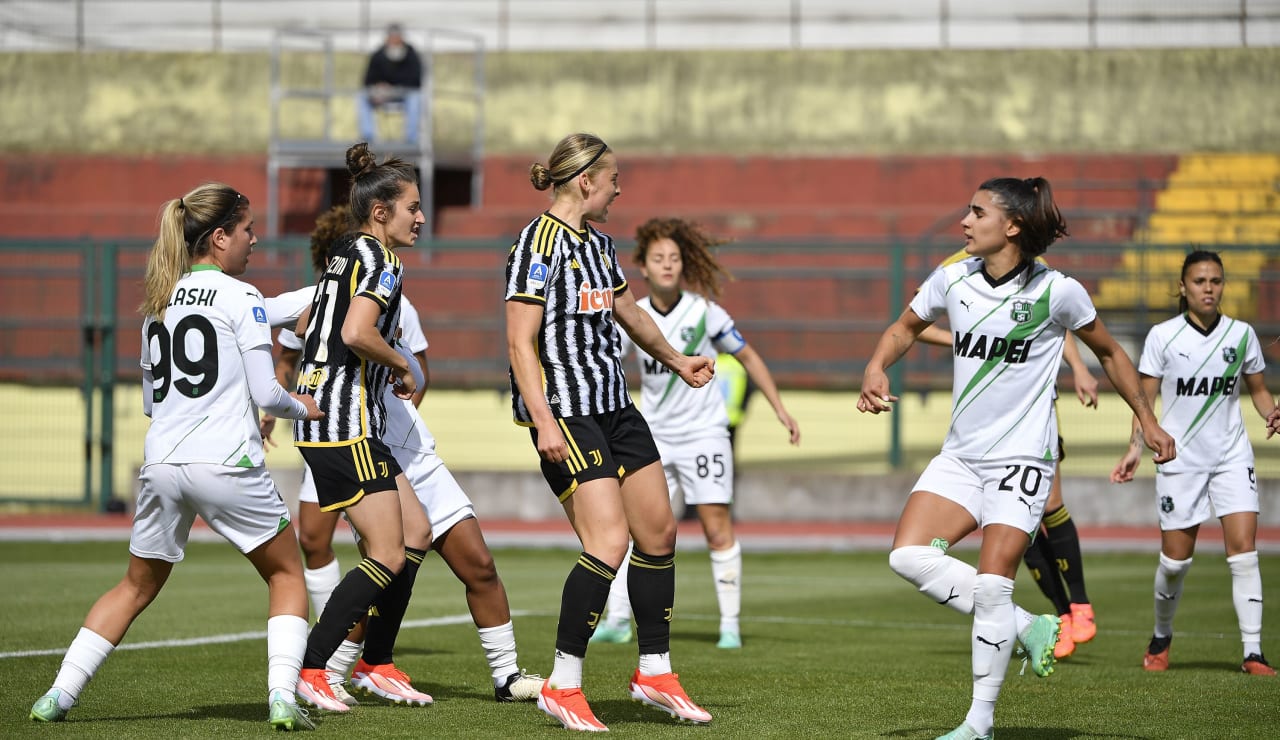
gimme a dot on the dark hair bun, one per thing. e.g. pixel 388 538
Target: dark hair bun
pixel 360 160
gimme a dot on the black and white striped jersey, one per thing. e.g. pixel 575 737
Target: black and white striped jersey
pixel 347 388
pixel 574 275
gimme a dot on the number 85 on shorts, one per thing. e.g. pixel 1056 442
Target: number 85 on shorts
pixel 1011 492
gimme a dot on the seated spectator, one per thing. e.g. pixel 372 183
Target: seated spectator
pixel 394 76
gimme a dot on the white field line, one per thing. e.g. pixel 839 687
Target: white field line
pixel 466 619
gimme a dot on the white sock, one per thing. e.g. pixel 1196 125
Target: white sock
pixel 344 658
pixel 994 636
pixel 1246 593
pixel 618 609
pixel 726 569
pixel 655 664
pixel 83 659
pixel 1022 618
pixel 566 672
pixel 1168 591
pixel 286 644
pixel 320 584
pixel 499 644
pixel 940 577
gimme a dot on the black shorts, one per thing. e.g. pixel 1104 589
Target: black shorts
pixel 1062 449
pixel 344 474
pixel 607 445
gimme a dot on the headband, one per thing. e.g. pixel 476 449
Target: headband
pixel 603 148
pixel 220 222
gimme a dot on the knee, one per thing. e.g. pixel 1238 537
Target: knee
pixel 1174 568
pixel 912 561
pixel 315 545
pixel 990 589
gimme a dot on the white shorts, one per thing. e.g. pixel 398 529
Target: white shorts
pixel 441 497
pixel 241 504
pixel 1183 499
pixel 1011 492
pixel 701 470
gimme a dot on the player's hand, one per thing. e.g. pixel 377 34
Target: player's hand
pixel 696 370
pixel 267 425
pixel 1273 422
pixel 1160 443
pixel 404 384
pixel 313 411
pixel 1128 465
pixel 875 397
pixel 1086 388
pixel 551 444
pixel 791 426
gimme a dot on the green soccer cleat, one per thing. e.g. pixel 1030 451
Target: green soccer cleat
pixel 1038 641
pixel 47 709
pixel 965 732
pixel 288 716
pixel 607 633
pixel 729 640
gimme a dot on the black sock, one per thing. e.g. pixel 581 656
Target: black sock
pixel 388 611
pixel 1066 545
pixel 348 603
pixel 582 603
pixel 651 583
pixel 1040 561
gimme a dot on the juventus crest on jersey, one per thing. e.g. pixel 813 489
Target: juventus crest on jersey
pixel 346 387
pixel 675 411
pixel 574 275
pixel 1200 379
pixel 1007 338
pixel 201 410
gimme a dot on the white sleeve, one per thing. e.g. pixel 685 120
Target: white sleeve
pixel 415 367
pixel 724 335
pixel 1151 362
pixel 259 371
pixel 1071 305
pixel 287 339
pixel 930 301
pixel 284 309
pixel 1254 362
pixel 411 327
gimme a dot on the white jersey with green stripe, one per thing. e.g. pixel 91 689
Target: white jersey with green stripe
pixel 1007 341
pixel 676 412
pixel 1200 382
pixel 201 407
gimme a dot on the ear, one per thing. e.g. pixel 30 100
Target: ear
pixel 379 213
pixel 1013 229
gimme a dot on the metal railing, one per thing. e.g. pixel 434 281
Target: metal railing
pixel 240 25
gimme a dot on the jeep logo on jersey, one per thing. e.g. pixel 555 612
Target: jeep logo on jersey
pixel 313 379
pixel 594 300
pixel 1229 354
pixel 1021 312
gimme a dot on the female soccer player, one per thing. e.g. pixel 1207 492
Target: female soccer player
pixel 347 358
pixel 565 299
pixel 691 425
pixel 1054 557
pixel 1008 315
pixel 456 533
pixel 206 361
pixel 1196 361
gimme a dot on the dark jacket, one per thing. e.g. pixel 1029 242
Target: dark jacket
pixel 405 73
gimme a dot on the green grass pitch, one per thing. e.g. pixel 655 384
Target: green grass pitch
pixel 836 646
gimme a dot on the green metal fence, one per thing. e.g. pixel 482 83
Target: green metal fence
pixel 70 336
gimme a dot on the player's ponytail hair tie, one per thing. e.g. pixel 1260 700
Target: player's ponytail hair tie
pixel 599 153
pixel 181 204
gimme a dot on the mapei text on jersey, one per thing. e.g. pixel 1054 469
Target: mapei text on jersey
pixel 1012 351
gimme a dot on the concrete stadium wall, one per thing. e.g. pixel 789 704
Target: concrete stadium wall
pixel 669 102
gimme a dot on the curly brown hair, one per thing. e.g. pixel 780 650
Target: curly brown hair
pixel 701 270
pixel 331 226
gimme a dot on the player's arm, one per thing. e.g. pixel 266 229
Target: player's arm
pixel 759 373
pixel 893 344
pixel 524 325
pixel 1263 401
pixel 694 370
pixel 286 376
pixel 1128 465
pixel 360 334
pixel 936 335
pixel 267 392
pixel 1124 378
pixel 1086 385
pixel 421 357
